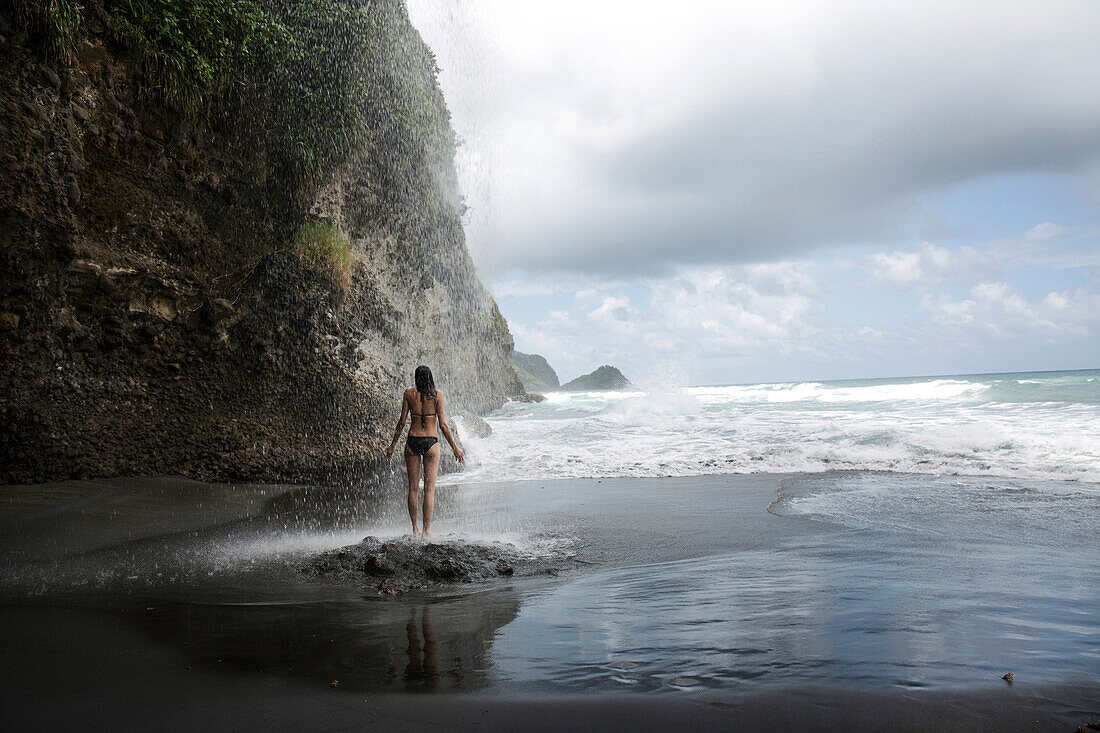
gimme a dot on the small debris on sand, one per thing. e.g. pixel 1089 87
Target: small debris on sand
pixel 448 568
pixel 374 564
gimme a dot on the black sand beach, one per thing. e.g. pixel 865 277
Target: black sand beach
pixel 169 641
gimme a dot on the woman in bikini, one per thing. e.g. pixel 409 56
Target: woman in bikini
pixel 422 445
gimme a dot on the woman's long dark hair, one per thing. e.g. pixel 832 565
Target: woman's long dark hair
pixel 425 385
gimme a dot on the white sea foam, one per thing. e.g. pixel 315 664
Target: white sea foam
pixel 1026 512
pixel 1041 426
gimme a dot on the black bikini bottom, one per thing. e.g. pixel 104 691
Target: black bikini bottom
pixel 420 444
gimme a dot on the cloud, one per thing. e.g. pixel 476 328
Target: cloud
pixel 623 138
pixel 749 312
pixel 986 307
pixel 616 314
pixel 900 268
pixel 1046 230
pixel 929 263
pixel 727 311
pixel 995 311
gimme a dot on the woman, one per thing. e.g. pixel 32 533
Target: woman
pixel 422 446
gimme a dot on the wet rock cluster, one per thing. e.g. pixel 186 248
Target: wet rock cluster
pixel 396 566
pixel 152 320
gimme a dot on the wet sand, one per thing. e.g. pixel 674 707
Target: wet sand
pixel 74 517
pixel 72 670
pixel 236 650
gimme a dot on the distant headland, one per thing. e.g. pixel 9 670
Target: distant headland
pixel 538 376
pixel 535 373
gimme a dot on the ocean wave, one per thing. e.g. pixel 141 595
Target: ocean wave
pixel 942 426
pixel 939 389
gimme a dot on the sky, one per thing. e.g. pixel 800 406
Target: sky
pixel 727 192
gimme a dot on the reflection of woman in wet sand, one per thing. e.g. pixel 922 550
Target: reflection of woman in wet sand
pixel 422 446
pixel 424 670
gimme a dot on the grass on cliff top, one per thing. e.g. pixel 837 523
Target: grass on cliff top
pixel 52 23
pixel 326 247
pixel 192 52
pixel 304 86
pixel 291 71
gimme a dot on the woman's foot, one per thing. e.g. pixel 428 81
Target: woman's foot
pixel 427 535
pixel 415 532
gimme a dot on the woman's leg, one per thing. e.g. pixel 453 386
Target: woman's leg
pixel 431 466
pixel 412 466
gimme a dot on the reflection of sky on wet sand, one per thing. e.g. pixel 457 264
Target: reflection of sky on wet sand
pixel 844 609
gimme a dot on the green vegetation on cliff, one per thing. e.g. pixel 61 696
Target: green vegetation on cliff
pixel 292 71
pixel 606 377
pixel 53 23
pixel 533 370
pixel 306 85
pixel 323 245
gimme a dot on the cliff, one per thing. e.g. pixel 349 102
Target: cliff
pixel 207 277
pixel 606 377
pixel 535 372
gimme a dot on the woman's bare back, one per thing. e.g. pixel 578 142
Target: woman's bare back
pixel 424 413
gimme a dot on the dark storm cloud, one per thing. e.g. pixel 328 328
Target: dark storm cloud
pixel 841 157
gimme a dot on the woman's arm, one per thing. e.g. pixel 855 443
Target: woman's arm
pixel 459 455
pixel 400 426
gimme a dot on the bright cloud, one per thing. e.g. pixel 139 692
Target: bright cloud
pixel 900 268
pixel 741 312
pixel 1046 230
pixel 928 263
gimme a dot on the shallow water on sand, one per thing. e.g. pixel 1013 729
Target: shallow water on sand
pixel 678 586
pixel 850 608
pixel 909 580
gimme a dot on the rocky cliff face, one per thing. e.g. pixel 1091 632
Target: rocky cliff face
pixel 152 319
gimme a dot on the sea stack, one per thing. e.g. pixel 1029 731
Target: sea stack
pixel 606 377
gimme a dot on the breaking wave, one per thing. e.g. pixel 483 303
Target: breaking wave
pixel 1041 426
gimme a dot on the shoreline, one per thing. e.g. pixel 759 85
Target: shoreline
pixel 258 649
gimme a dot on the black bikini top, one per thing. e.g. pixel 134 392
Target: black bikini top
pixel 423 415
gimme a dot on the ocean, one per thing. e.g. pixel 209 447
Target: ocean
pixel 805 543
pixel 1040 425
